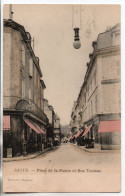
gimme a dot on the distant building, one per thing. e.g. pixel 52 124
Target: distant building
pixel 54 128
pixel 98 103
pixel 74 119
pixel 49 111
pixel 24 122
pixel 57 127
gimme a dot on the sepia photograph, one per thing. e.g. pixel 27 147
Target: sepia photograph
pixel 61 98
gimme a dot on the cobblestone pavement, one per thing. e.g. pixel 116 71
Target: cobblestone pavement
pixel 64 169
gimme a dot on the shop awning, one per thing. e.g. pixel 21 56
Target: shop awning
pixel 72 137
pixel 40 129
pixel 78 134
pixel 87 130
pixel 34 126
pixel 6 122
pixel 109 126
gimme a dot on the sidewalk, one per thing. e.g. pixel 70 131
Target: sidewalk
pixel 28 156
pixel 93 150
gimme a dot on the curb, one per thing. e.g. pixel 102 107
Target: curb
pixel 29 157
pixel 96 151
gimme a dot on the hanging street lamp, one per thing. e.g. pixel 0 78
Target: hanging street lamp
pixel 76 24
pixel 76 43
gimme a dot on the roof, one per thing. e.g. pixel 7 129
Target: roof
pixel 104 39
pixel 26 38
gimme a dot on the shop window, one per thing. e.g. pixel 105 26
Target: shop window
pixel 25 134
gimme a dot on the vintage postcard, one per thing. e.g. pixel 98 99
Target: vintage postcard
pixel 61 98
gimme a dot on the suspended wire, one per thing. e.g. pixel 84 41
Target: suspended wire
pixel 80 16
pixel 80 11
pixel 72 16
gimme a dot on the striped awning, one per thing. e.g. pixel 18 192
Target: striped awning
pixel 40 129
pixel 34 126
pixel 72 137
pixel 78 134
pixel 6 122
pixel 87 130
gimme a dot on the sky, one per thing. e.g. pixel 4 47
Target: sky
pixel 63 67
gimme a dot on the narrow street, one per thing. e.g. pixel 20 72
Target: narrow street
pixel 66 163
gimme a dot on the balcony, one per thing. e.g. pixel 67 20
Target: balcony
pixel 28 106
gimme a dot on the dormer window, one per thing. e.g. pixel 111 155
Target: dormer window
pixel 23 55
pixel 116 39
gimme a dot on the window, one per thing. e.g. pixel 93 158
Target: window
pixel 88 90
pixel 85 97
pixel 118 70
pixel 91 107
pixel 23 55
pixel 117 39
pixel 31 68
pixel 38 82
pixel 91 85
pixel 119 98
pixel 95 77
pixel 96 103
pixel 30 94
pixel 23 88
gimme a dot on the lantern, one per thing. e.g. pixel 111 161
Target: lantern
pixel 76 43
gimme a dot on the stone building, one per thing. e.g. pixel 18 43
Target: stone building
pixel 57 128
pixel 74 124
pixel 54 128
pixel 49 111
pixel 24 122
pixel 99 97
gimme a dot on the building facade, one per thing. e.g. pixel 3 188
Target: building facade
pixel 99 97
pixel 49 111
pixel 54 123
pixel 57 128
pixel 24 122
